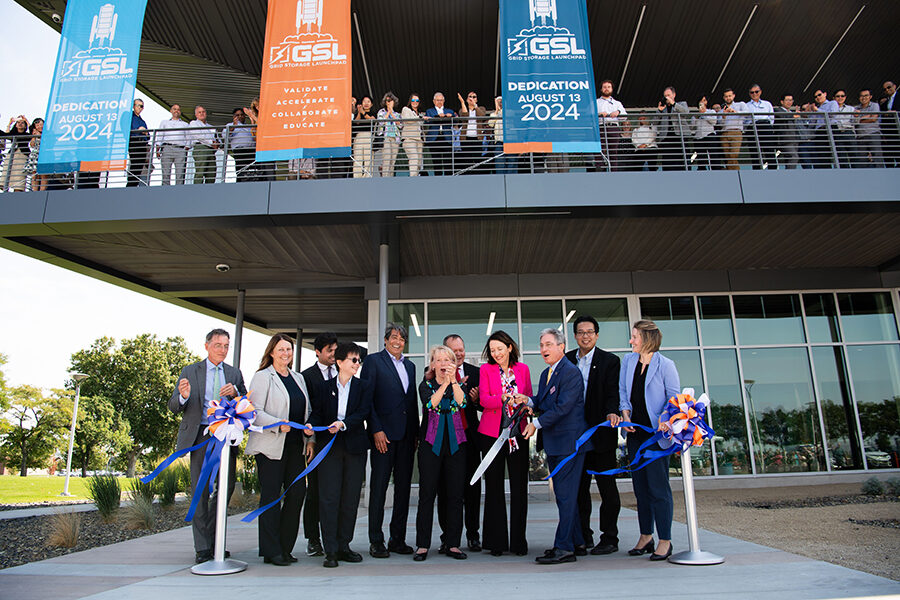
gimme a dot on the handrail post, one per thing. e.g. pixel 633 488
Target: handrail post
pixel 834 156
pixel 759 153
pixel 683 145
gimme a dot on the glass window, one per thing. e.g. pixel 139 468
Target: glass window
pixel 675 318
pixel 536 365
pixel 821 318
pixel 867 317
pixel 612 316
pixel 715 320
pixel 783 416
pixel 538 315
pixel 727 412
pixel 474 321
pixel 411 316
pixel 837 407
pixel 691 375
pixel 876 384
pixel 770 319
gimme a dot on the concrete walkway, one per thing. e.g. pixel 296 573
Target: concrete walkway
pixel 157 566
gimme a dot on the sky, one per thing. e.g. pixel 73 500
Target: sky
pixel 47 313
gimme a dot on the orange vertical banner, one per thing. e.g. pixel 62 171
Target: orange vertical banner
pixel 304 104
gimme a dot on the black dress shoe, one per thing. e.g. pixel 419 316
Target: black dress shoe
pixel 443 549
pixel 378 550
pixel 202 557
pixel 349 555
pixel 581 550
pixel 420 556
pixel 496 552
pixel 474 545
pixel 314 548
pixel 645 549
pixel 558 556
pixel 276 560
pixel 604 549
pixel 290 557
pixel 457 554
pixel 330 561
pixel 399 548
pixel 656 556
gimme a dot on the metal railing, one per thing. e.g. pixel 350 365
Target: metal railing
pixel 640 141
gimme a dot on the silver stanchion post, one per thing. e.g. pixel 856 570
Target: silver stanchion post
pixel 693 555
pixel 220 565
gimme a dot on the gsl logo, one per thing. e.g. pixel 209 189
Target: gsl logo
pixel 544 45
pixel 97 66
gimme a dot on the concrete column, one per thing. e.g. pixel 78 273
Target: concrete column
pixel 239 328
pixel 298 349
pixel 382 292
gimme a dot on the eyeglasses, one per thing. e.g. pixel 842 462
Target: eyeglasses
pixel 139 106
pixel 355 360
pixel 588 332
pixel 819 94
pixel 413 99
pixel 755 91
pixel 472 96
pixel 840 95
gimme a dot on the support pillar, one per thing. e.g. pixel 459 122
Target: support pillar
pixel 383 249
pixel 238 328
pixel 297 350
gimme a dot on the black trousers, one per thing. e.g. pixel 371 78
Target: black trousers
pixel 340 485
pixel 471 493
pixel 498 534
pixel 204 524
pixel 446 472
pixel 139 156
pixel 398 460
pixel 243 161
pixel 311 507
pixel 610 504
pixel 278 526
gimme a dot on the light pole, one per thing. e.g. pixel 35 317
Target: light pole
pixel 748 385
pixel 78 377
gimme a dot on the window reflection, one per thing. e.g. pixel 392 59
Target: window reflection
pixel 474 321
pixel 783 415
pixel 867 317
pixel 769 319
pixel 691 375
pixel 538 315
pixel 675 318
pixel 411 316
pixel 876 383
pixel 837 408
pixel 611 314
pixel 821 318
pixel 727 412
pixel 715 320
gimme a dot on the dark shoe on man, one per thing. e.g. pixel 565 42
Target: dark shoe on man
pixel 279 561
pixel 580 550
pixel 349 556
pixel 290 557
pixel 399 547
pixel 330 561
pixel 474 545
pixel 202 557
pixel 556 557
pixel 314 548
pixel 378 550
pixel 604 549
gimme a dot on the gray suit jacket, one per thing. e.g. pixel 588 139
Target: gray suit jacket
pixel 668 124
pixel 273 403
pixel 192 417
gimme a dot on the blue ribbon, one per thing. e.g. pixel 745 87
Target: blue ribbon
pixel 443 419
pixel 640 455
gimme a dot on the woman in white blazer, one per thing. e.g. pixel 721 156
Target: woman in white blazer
pixel 279 394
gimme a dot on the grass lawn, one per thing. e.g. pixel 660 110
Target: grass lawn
pixel 43 488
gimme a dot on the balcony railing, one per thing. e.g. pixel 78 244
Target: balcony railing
pixel 640 141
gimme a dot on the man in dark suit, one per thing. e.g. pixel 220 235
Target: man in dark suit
pixel 344 406
pixel 439 135
pixel 198 385
pixel 890 104
pixel 600 374
pixel 393 425
pixel 316 377
pixel 467 376
pixel 560 404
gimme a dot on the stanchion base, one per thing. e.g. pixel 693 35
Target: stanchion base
pixel 219 567
pixel 696 557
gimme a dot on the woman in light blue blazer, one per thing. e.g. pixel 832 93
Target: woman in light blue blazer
pixel 646 382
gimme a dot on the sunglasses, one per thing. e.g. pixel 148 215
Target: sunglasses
pixel 755 91
pixel 840 95
pixel 413 99
pixel 355 360
pixel 472 96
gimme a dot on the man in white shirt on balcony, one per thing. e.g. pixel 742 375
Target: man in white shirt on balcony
pixel 610 111
pixel 732 129
pixel 204 148
pixel 764 123
pixel 172 147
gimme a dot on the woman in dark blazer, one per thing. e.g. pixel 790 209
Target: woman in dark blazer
pixel 279 394
pixel 342 407
pixel 646 382
pixel 442 453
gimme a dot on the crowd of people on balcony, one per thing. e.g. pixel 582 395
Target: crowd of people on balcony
pixel 822 133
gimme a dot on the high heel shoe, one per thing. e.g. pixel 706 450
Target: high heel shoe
pixel 656 556
pixel 645 549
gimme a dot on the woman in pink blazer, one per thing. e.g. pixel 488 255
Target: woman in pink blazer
pixel 501 377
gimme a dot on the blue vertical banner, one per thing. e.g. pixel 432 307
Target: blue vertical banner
pixel 549 98
pixel 88 118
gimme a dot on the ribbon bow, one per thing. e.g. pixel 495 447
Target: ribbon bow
pixel 685 418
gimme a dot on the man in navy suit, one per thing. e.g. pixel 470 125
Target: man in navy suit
pixel 560 404
pixel 393 425
pixel 439 135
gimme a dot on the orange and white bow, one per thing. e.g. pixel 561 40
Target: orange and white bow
pixel 229 418
pixel 685 415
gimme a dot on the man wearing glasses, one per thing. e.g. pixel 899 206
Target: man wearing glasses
pixel 764 122
pixel 473 131
pixel 138 147
pixel 889 126
pixel 822 155
pixel 600 373
pixel 868 134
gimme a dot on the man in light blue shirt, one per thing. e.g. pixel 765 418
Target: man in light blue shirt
pixel 762 120
pixel 822 155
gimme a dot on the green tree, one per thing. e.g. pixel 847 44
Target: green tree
pixel 4 402
pixel 137 378
pixel 34 428
pixel 101 433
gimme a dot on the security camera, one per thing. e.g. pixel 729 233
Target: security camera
pixel 223 268
pixel 56 18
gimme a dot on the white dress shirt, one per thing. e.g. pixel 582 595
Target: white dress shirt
pixel 343 398
pixel 177 138
pixel 584 365
pixel 761 106
pixel 610 105
pixel 205 133
pixel 327 371
pixel 401 371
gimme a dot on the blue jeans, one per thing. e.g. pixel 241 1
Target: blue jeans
pixel 651 490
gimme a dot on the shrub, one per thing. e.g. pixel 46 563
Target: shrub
pixel 183 471
pixel 248 477
pixel 145 490
pixel 167 486
pixel 64 529
pixel 140 514
pixel 872 487
pixel 893 486
pixel 106 494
